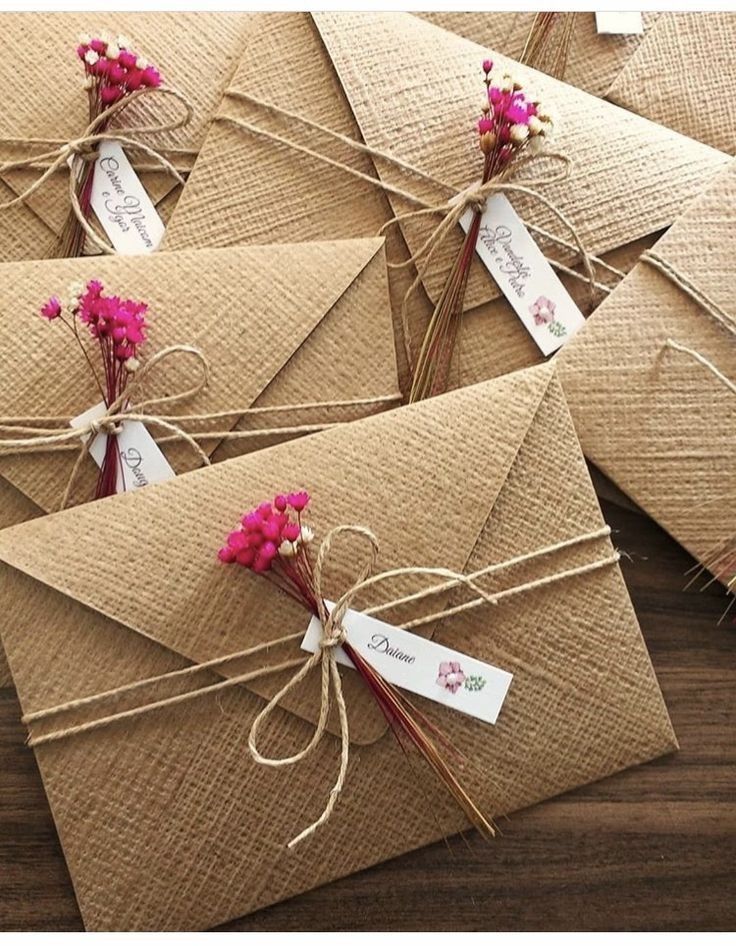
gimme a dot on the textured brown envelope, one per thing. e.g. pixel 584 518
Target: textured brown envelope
pixel 661 74
pixel 657 422
pixel 167 823
pixel 411 88
pixel 43 97
pixel 279 325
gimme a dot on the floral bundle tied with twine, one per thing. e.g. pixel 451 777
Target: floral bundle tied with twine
pixel 116 76
pixel 512 127
pixel 116 328
pixel 273 540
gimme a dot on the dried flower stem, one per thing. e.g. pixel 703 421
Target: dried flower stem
pixel 269 541
pixel 511 123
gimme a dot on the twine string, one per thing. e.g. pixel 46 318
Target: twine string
pixel 83 149
pixel 332 636
pixel 467 196
pixel 50 439
pixel 719 315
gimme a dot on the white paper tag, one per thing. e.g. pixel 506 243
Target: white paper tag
pixel 524 276
pixel 141 460
pixel 122 205
pixel 420 666
pixel 621 24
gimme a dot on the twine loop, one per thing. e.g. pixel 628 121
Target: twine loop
pixel 333 634
pixel 84 149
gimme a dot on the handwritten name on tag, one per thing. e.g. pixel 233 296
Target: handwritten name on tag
pixel 524 276
pixel 122 205
pixel 141 460
pixel 420 666
pixel 622 24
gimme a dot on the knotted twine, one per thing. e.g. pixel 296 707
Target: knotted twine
pixel 50 439
pixel 83 149
pixel 451 209
pixel 333 635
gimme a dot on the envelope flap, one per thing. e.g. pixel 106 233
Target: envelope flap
pixel 415 91
pixel 159 544
pixel 248 309
pixel 657 422
pixel 701 243
pixel 171 40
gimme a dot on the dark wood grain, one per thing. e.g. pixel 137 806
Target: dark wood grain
pixel 651 849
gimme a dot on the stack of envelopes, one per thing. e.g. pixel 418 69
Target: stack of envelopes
pixel 279 268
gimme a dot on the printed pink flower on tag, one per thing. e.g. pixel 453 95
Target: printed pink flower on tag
pixel 450 676
pixel 543 311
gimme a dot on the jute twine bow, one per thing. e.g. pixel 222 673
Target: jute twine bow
pixel 451 209
pixel 83 149
pixel 59 437
pixel 333 635
pixel 708 305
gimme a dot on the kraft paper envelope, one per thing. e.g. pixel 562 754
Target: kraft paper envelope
pixel 658 73
pixel 412 89
pixel 44 98
pixel 653 418
pixel 279 325
pixel 166 822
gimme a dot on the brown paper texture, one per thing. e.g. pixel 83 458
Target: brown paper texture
pixel 654 420
pixel 43 97
pixel 167 823
pixel 279 325
pixel 366 75
pixel 658 74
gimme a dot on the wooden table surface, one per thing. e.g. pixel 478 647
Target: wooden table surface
pixel 653 848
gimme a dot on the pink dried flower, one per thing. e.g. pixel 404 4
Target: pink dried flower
pixel 298 501
pixel 51 309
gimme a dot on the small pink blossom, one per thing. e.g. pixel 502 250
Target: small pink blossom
pixel 298 501
pixel 543 311
pixel 51 309
pixel 451 676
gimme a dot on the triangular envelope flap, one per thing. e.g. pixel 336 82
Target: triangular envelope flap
pixel 653 419
pixel 701 243
pixel 415 91
pixel 424 478
pixel 248 309
pixel 44 97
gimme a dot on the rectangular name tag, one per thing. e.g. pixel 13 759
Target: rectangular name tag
pixel 621 24
pixel 141 460
pixel 122 205
pixel 524 276
pixel 420 666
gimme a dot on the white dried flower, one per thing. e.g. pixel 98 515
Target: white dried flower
pixel 518 134
pixel 88 82
pixel 76 289
pixel 123 42
pixel 507 84
pixel 287 549
pixel 113 51
pixel 307 535
pixel 141 63
pixel 84 39
pixel 535 126
pixel 91 57
pixel 132 365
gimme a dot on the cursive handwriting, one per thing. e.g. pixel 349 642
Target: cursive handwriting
pixel 123 209
pixel 381 644
pixel 498 240
pixel 133 459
